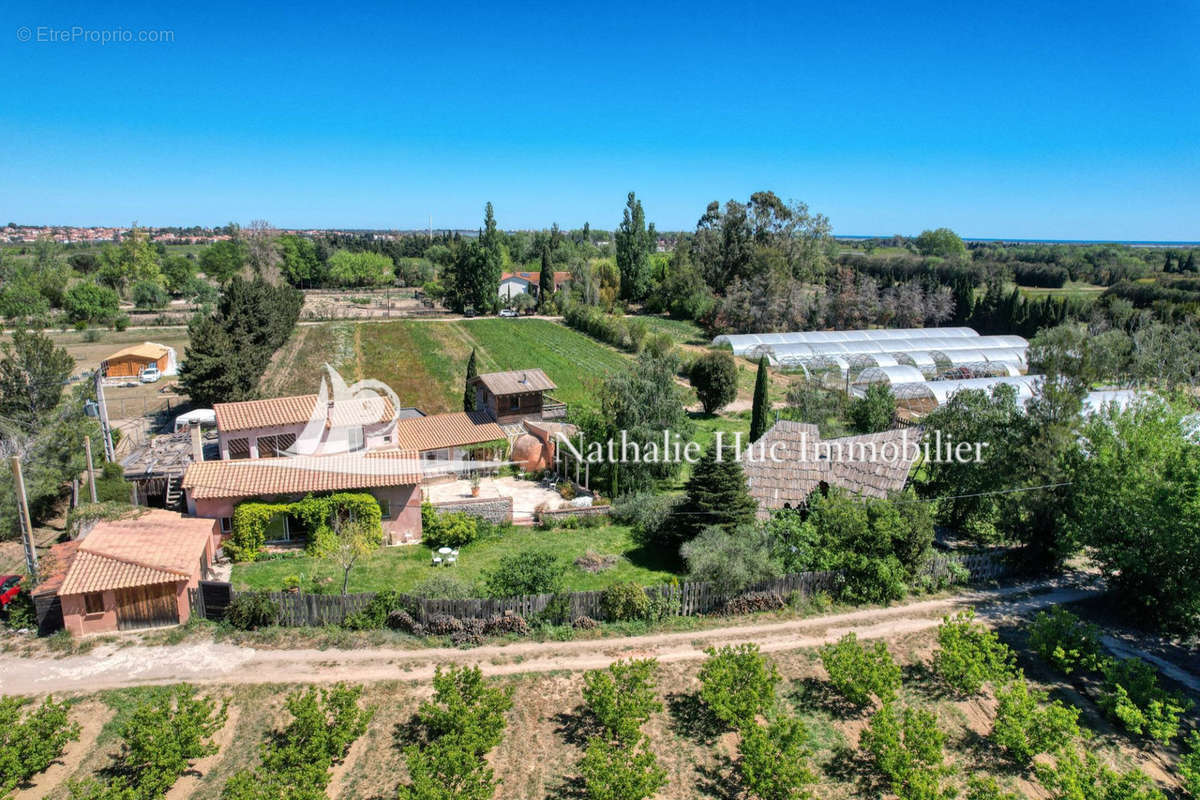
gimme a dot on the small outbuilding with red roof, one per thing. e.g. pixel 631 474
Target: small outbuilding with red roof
pixel 133 572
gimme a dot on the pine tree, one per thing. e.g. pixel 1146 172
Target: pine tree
pixel 545 278
pixel 207 374
pixel 716 493
pixel 1190 264
pixel 469 391
pixel 762 402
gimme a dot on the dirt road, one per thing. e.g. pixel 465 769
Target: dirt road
pixel 110 667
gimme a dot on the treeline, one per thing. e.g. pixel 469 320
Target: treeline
pixel 1171 299
pixel 229 349
pixel 49 287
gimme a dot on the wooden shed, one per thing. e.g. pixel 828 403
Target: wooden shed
pixel 129 362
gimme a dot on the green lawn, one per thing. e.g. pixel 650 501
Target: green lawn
pixel 404 567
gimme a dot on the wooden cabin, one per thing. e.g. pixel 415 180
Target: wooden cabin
pixel 514 396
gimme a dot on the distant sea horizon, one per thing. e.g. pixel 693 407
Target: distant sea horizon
pixel 1021 240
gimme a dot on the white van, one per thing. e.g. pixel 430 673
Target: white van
pixel 150 375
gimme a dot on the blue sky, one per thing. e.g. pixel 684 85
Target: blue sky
pixel 1029 119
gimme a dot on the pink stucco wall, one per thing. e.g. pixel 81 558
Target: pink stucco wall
pixel 80 623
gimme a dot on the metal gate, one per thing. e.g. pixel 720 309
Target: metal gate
pixel 147 607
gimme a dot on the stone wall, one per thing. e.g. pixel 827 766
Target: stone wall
pixel 496 510
pixel 559 514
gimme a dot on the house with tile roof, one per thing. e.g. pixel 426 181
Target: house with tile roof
pixel 271 427
pixel 132 572
pixel 281 449
pixel 516 283
pixel 213 488
pixel 791 461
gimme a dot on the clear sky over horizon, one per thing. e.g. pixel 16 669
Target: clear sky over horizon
pixel 1066 120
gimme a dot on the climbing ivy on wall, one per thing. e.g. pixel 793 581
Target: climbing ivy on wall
pixel 313 513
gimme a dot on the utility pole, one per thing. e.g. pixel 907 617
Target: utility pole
pixel 31 562
pixel 109 454
pixel 87 446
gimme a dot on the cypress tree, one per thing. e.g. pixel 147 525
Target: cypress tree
pixel 545 278
pixel 717 493
pixel 762 402
pixel 469 391
pixel 964 299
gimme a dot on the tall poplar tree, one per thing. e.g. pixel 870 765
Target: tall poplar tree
pixel 476 269
pixel 633 251
pixel 762 402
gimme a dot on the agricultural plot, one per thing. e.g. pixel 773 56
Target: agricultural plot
pixel 541 749
pixel 425 361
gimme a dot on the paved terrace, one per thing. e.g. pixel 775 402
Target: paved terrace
pixel 526 495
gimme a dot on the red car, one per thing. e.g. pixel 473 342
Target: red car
pixel 10 585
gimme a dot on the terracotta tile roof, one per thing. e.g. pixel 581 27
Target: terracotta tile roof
pixel 456 429
pixel 154 546
pixel 55 566
pixel 95 573
pixel 144 350
pixel 858 464
pixel 518 381
pixel 265 413
pixel 302 474
pixel 298 410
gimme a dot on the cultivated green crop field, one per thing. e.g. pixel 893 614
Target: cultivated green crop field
pixel 425 361
pixel 404 567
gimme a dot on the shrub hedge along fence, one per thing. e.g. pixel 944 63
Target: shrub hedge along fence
pixel 686 598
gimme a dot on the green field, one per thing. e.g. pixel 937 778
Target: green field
pixel 683 331
pixel 1075 289
pixel 404 567
pixel 425 361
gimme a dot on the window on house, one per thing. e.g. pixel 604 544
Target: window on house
pixel 385 508
pixel 514 403
pixel 357 439
pixel 93 603
pixel 226 524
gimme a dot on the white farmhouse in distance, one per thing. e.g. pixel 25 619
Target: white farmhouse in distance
pixel 515 283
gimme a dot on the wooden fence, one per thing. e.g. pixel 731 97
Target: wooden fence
pixel 688 598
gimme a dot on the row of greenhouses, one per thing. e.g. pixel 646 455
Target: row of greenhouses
pixel 914 393
pixel 838 358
